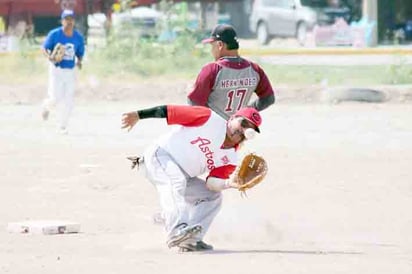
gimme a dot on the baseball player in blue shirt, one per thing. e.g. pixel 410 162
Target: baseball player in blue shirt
pixel 62 76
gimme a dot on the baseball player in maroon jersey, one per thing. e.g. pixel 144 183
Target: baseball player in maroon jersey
pixel 228 84
pixel 204 144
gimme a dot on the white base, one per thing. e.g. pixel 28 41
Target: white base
pixel 46 227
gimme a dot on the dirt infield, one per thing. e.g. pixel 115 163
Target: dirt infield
pixel 337 198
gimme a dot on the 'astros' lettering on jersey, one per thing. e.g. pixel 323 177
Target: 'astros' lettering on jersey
pixel 201 136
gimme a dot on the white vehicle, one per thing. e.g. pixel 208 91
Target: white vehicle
pixel 281 18
pixel 141 21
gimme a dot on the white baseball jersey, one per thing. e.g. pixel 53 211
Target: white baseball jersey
pixel 197 145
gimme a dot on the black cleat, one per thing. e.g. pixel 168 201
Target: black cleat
pixel 199 246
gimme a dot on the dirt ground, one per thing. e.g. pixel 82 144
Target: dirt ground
pixel 337 198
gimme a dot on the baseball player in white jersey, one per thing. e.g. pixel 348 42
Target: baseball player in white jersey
pixel 228 84
pixel 61 74
pixel 204 144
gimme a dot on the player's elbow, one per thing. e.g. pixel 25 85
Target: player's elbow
pixel 271 99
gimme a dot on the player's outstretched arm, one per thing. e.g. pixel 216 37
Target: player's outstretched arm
pixel 129 119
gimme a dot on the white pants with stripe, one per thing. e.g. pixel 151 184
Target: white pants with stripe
pixel 182 199
pixel 61 93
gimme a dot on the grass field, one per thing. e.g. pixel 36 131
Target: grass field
pixel 130 62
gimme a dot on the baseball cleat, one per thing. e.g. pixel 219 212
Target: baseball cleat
pixel 183 234
pixel 199 246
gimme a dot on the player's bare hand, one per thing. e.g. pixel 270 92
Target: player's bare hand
pixel 233 181
pixel 129 120
pixel 232 184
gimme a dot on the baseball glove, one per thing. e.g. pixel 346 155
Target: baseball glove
pixel 58 52
pixel 251 171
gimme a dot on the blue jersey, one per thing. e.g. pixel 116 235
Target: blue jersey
pixel 74 46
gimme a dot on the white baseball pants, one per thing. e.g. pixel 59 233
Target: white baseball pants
pixel 182 199
pixel 61 92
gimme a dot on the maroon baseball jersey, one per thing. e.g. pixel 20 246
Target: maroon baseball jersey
pixel 228 84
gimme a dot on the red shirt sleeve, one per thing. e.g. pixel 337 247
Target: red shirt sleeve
pixel 222 172
pixel 264 88
pixel 204 84
pixel 190 116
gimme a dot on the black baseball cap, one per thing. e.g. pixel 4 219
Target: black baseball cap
pixel 225 33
